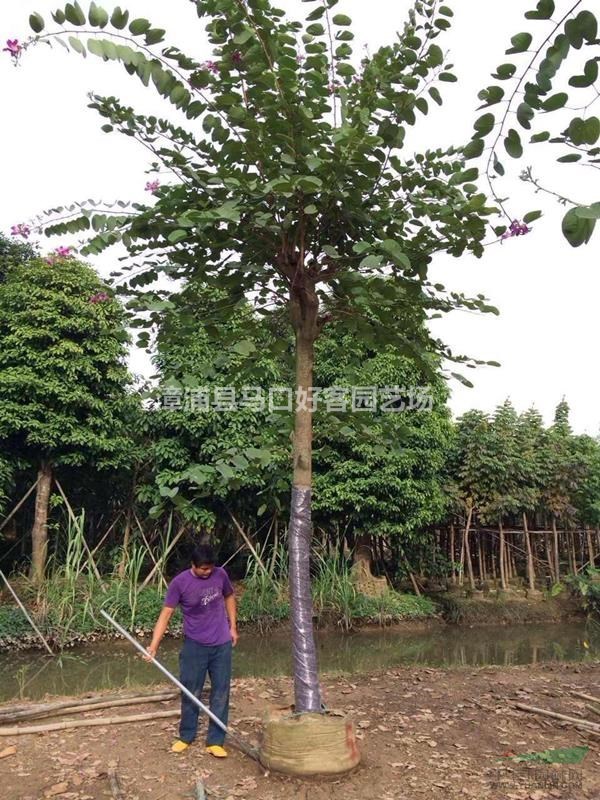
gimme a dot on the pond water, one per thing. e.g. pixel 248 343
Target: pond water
pixel 115 665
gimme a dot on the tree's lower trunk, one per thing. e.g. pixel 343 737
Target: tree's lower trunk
pixel 549 557
pixel 126 536
pixel 306 676
pixel 39 532
pixel 555 550
pixel 530 568
pixel 574 552
pixel 480 561
pixel 468 548
pixel 502 558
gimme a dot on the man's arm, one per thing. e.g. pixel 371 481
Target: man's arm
pixel 230 608
pixel 162 623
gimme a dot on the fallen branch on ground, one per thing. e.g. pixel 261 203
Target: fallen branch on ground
pixel 82 706
pixel 583 724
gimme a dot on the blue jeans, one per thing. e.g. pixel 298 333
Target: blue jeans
pixel 195 660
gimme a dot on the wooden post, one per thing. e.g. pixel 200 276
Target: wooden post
pixel 530 567
pixel 452 554
pixel 555 550
pixel 501 557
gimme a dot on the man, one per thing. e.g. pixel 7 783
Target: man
pixel 207 601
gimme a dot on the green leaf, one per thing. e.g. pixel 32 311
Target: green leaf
pixel 583 28
pixel 474 149
pixel 59 16
pixel 36 23
pixel 446 11
pixel 588 212
pixel 544 10
pixel 532 216
pixel 504 72
pixel 74 14
pixel 447 77
pixel 520 43
pixel 244 36
pixel 524 115
pixel 589 77
pixel 244 348
pixel 98 16
pixel 513 144
pixel 540 137
pixel 393 249
pixel 555 102
pixel 485 124
pixel 154 36
pixel 498 166
pixel 311 209
pixel 316 29
pixel 491 95
pixel 138 26
pixel 577 230
pixel 582 131
pixel 261 510
pixel 571 158
pixel 95 47
pixel 371 262
pixel 461 378
pixel 77 45
pixel 342 20
pixel 177 236
pixel 435 95
pixel 119 18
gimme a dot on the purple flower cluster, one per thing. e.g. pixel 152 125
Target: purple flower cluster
pixel 60 252
pixel 153 186
pixel 100 297
pixel 21 230
pixel 14 47
pixel 237 58
pixel 211 66
pixel 516 229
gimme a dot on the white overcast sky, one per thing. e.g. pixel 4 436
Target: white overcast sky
pixel 546 339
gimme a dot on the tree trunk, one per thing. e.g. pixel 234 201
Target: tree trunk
pixel 307 692
pixel 555 550
pixel 530 567
pixel 126 535
pixel 39 532
pixel 574 552
pixel 468 548
pixel 482 576
pixel 502 558
pixel 549 557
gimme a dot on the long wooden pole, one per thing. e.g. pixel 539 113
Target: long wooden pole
pixel 24 610
pixel 87 723
pixel 81 707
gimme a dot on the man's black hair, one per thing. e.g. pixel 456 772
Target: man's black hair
pixel 203 554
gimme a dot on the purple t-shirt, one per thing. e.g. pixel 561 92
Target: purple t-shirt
pixel 202 603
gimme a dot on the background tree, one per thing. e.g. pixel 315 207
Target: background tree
pixel 63 380
pixel 297 191
pixel 556 73
pixel 531 464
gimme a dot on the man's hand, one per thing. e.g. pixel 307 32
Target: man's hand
pixel 234 636
pixel 151 650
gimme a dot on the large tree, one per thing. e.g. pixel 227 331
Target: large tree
pixel 63 379
pixel 291 185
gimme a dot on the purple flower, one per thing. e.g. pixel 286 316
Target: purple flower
pixel 516 229
pixel 21 230
pixel 153 186
pixel 14 47
pixel 63 252
pixel 211 66
pixel 300 59
pixel 100 297
pixel 237 58
pixel 334 86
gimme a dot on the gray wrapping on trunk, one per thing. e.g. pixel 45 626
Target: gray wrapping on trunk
pixel 306 674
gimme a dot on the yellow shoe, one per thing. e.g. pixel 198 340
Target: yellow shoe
pixel 216 750
pixel 179 746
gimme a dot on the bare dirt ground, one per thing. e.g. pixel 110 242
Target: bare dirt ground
pixel 424 733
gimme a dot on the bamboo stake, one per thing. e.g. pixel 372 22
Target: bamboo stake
pixel 148 548
pixel 89 723
pixel 249 543
pixel 152 572
pixel 584 723
pixel 7 519
pixel 63 709
pixel 24 610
